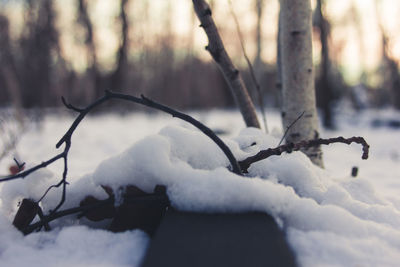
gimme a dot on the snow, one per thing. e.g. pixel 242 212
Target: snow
pixel 331 218
pixel 72 246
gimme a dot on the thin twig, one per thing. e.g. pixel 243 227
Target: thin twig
pixel 69 106
pixel 19 165
pixel 252 73
pixel 290 126
pixel 263 154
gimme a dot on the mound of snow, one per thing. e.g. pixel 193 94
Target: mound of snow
pixel 329 221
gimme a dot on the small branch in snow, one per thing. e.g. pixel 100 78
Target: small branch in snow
pixel 63 182
pixel 66 139
pixel 263 154
pixel 20 165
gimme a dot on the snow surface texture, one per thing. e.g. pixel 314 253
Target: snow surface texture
pixel 330 218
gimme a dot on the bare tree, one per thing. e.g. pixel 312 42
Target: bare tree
pixel 259 10
pixel 118 76
pixel 84 20
pixel 221 57
pixel 389 66
pixel 297 76
pixel 8 69
pixel 325 94
pixel 38 44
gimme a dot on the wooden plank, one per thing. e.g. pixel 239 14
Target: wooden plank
pixel 198 239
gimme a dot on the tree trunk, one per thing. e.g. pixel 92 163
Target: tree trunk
pixel 257 61
pixel 325 94
pixel 93 70
pixel 119 75
pixel 389 65
pixel 220 56
pixel 298 76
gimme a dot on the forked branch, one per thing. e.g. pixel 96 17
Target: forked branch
pixel 66 139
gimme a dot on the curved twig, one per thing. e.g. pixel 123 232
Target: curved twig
pixel 290 126
pixel 66 139
pixel 263 154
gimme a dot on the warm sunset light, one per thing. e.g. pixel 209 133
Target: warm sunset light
pixel 197 133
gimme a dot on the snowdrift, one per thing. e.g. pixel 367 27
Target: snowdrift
pixel 329 221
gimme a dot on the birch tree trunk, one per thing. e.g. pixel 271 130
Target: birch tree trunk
pixel 298 90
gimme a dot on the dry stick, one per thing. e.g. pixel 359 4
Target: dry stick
pixel 290 126
pixel 42 219
pixel 66 139
pixel 245 164
pixel 231 74
pixel 19 164
pixel 252 74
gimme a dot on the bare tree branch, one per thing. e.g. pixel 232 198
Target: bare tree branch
pixel 217 50
pixel 245 164
pixel 66 139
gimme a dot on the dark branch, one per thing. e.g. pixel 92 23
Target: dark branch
pixel 19 164
pixel 245 164
pixel 69 106
pixel 66 139
pixel 290 126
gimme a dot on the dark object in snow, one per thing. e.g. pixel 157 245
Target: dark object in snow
pixel 139 210
pixel 390 123
pixel 354 171
pixel 96 210
pixel 26 213
pixel 144 215
pixel 198 239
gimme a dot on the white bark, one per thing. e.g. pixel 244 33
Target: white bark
pixel 298 90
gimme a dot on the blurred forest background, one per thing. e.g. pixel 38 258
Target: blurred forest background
pixel 79 48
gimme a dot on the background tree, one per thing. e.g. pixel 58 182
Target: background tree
pixel 298 93
pixel 324 87
pixel 231 73
pixel 389 67
pixel 93 88
pixel 118 76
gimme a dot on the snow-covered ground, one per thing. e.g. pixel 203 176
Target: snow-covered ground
pixel 331 218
